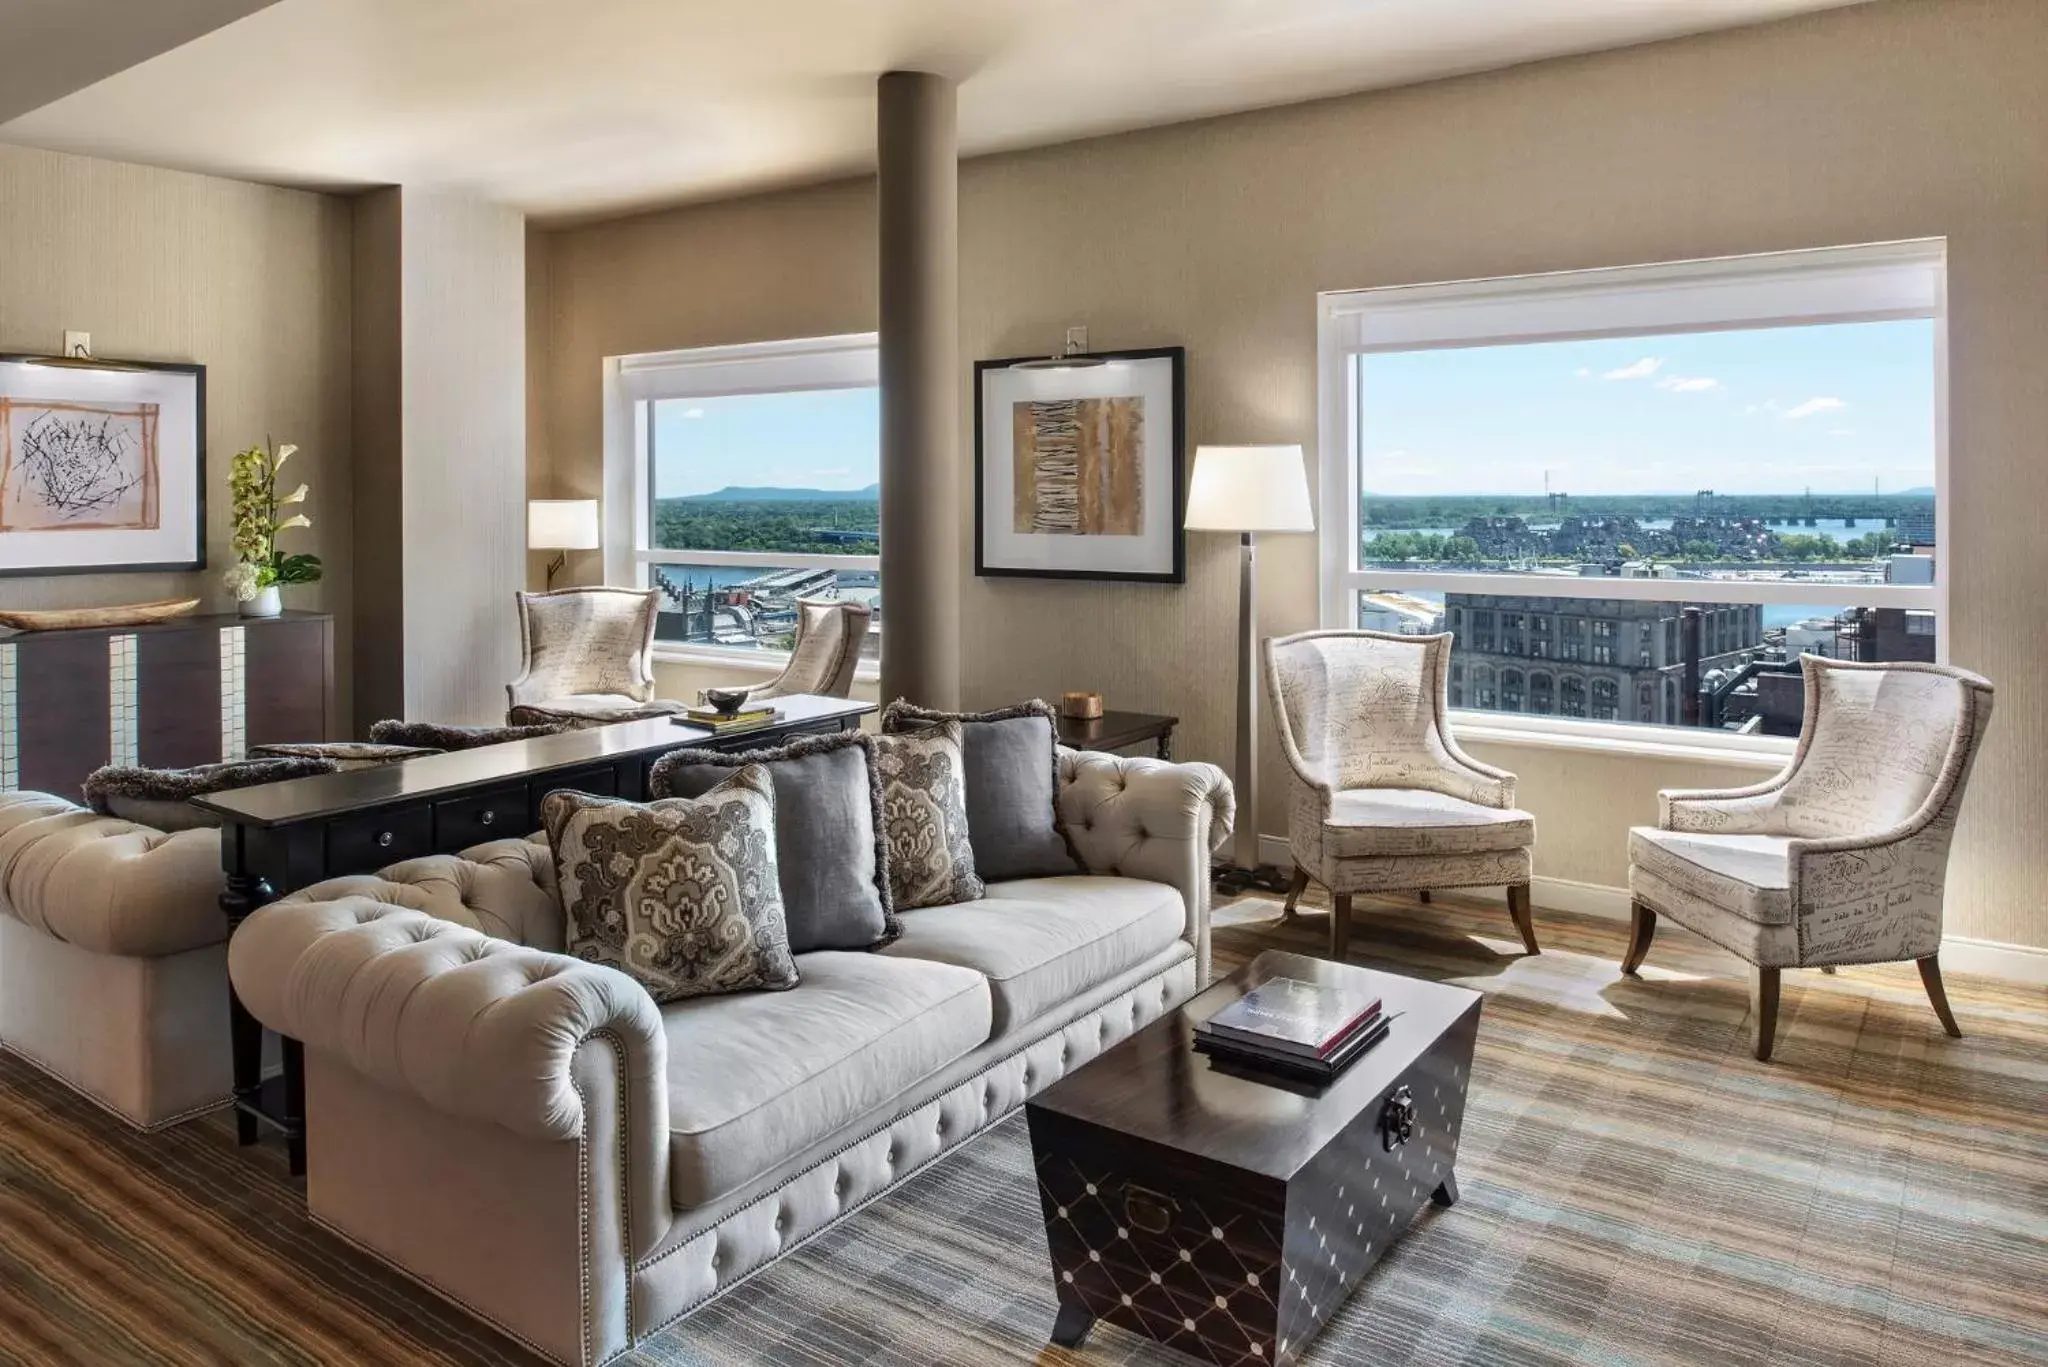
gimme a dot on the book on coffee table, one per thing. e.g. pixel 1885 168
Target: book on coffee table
pixel 1316 1070
pixel 1294 1019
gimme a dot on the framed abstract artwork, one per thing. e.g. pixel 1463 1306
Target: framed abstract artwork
pixel 102 466
pixel 1078 471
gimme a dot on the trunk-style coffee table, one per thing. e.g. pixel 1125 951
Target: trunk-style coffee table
pixel 1229 1213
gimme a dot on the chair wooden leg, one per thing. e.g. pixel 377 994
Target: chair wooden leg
pixel 1930 978
pixel 1422 894
pixel 1295 887
pixel 1763 1009
pixel 1340 926
pixel 1640 934
pixel 1521 912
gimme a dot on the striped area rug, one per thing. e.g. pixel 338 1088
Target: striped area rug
pixel 1636 1190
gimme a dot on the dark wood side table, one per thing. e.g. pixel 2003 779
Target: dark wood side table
pixel 1113 731
pixel 1227 1213
pixel 279 837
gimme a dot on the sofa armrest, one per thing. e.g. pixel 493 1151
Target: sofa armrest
pixel 503 888
pixel 1146 818
pixel 472 1026
pixel 106 885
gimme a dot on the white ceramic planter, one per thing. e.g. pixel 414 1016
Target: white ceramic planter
pixel 266 603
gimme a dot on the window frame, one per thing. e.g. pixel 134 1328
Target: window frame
pixel 1871 283
pixel 632 384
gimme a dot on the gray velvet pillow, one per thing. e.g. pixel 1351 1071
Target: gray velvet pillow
pixel 162 798
pixel 1011 757
pixel 828 826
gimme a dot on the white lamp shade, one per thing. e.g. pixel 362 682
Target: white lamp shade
pixel 1249 489
pixel 562 524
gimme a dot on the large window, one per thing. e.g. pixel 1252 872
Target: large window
pixel 751 475
pixel 1664 483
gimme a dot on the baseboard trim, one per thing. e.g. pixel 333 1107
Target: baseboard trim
pixel 1959 953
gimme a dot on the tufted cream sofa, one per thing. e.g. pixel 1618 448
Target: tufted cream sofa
pixel 112 958
pixel 535 1139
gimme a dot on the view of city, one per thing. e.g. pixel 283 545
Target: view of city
pixel 1786 456
pixel 785 473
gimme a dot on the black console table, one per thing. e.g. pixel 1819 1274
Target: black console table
pixel 280 837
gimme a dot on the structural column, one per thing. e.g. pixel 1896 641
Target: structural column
pixel 920 323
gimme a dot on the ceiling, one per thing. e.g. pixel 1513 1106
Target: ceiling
pixel 578 108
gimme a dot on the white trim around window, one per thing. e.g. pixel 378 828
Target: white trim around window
pixel 633 383
pixel 1873 283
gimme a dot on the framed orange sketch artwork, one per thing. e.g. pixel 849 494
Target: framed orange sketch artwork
pixel 101 466
pixel 1078 470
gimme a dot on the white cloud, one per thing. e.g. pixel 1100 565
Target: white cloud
pixel 1699 384
pixel 693 412
pixel 1813 406
pixel 1638 370
pixel 1583 373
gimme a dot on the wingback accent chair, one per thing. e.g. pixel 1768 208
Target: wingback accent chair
pixel 589 657
pixel 1841 858
pixel 829 637
pixel 1382 799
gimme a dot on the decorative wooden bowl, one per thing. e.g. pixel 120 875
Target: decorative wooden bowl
pixel 118 615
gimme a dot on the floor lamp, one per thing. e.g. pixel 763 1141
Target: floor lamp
pixel 1248 490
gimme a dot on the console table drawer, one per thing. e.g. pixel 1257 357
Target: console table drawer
pixel 495 814
pixel 375 839
pixel 603 780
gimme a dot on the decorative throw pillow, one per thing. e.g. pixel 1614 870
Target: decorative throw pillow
pixel 1011 758
pixel 162 798
pixel 681 894
pixel 828 827
pixel 924 818
pixel 582 719
pixel 346 754
pixel 434 736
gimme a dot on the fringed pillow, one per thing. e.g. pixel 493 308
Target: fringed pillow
pixel 1011 760
pixel 162 798
pixel 924 817
pixel 434 736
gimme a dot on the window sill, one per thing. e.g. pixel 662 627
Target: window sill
pixel 1769 753
pixel 768 661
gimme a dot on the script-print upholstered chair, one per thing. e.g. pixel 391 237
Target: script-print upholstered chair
pixel 829 637
pixel 589 657
pixel 1382 799
pixel 1841 858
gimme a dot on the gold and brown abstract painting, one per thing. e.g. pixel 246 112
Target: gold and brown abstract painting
pixel 68 466
pixel 1079 466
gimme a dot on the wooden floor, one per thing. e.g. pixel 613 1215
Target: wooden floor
pixel 1636 1190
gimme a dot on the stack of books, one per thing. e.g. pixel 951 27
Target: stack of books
pixel 725 723
pixel 1290 1026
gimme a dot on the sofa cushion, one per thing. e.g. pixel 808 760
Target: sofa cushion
pixel 828 815
pixel 1370 823
pixel 1044 941
pixel 924 818
pixel 1749 875
pixel 681 895
pixel 1011 762
pixel 754 1080
pixel 346 754
pixel 162 798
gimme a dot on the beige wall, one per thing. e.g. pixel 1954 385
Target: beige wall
pixel 251 282
pixel 1902 119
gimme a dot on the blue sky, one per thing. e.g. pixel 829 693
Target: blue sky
pixel 1763 411
pixel 817 439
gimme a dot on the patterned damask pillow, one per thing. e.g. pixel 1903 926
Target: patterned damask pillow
pixel 924 816
pixel 682 895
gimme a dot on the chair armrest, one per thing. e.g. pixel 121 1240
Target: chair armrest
pixel 1723 811
pixel 1146 818
pixel 1462 776
pixel 1873 898
pixel 470 1026
pixel 106 885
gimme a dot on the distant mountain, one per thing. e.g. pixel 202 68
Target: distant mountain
pixel 1917 491
pixel 744 493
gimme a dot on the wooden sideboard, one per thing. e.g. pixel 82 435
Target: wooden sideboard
pixel 195 690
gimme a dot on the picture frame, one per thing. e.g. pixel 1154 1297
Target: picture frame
pixel 102 466
pixel 1080 470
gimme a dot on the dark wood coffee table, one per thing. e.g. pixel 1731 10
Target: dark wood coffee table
pixel 1228 1213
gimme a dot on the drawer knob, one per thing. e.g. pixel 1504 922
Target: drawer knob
pixel 488 817
pixel 384 839
pixel 1148 1210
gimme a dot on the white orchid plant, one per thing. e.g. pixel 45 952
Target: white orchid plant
pixel 252 485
